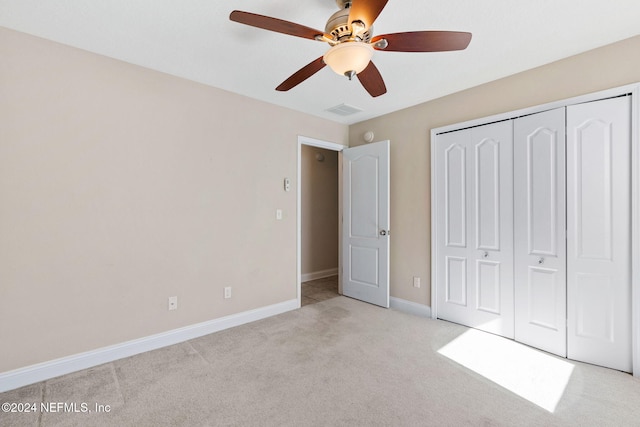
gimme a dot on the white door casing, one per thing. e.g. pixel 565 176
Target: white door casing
pixel 598 232
pixel 365 227
pixel 539 231
pixel 474 253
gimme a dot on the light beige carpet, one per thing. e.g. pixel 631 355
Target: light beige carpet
pixel 335 363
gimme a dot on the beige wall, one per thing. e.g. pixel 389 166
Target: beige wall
pixel 319 203
pixel 120 187
pixel 409 131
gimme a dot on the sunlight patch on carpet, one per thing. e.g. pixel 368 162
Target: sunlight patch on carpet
pixel 529 373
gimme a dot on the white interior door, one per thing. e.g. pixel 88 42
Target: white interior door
pixel 474 259
pixel 598 233
pixel 365 232
pixel 539 231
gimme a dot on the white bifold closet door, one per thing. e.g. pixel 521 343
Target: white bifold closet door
pixel 599 233
pixel 546 258
pixel 539 231
pixel 475 223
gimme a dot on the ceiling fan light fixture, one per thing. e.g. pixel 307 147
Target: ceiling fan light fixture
pixel 348 56
pixel 349 32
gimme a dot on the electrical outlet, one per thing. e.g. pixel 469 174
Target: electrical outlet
pixel 227 292
pixel 173 303
pixel 416 282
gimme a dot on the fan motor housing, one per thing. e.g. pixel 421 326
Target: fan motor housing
pixel 338 26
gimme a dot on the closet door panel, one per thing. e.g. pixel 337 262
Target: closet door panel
pixel 599 238
pixel 488 287
pixel 487 192
pixel 452 218
pixel 539 224
pixel 474 272
pixel 594 307
pixel 492 227
pixel 592 189
pixel 455 195
pixel 543 177
pixel 543 286
pixel 455 222
pixel 456 281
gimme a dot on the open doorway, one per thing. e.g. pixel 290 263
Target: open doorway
pixel 319 224
pixel 318 220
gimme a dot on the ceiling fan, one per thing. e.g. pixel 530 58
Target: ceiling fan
pixel 349 32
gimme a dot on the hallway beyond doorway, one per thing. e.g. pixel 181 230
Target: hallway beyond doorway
pixel 318 290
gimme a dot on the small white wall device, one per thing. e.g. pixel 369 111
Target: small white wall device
pixel 368 136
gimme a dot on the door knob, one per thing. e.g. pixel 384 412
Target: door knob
pixel 540 260
pixel 383 232
pixel 485 254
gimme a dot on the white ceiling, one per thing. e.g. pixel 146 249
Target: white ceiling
pixel 194 39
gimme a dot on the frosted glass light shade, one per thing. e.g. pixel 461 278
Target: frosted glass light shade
pixel 348 56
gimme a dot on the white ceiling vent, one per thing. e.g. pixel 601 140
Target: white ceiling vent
pixel 344 110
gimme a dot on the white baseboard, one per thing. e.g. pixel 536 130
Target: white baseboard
pixel 43 371
pixel 410 307
pixel 319 274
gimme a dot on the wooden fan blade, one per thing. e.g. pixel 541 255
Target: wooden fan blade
pixel 301 75
pixel 274 24
pixel 366 11
pixel 372 80
pixel 425 41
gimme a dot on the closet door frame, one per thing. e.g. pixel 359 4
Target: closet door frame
pixel 634 91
